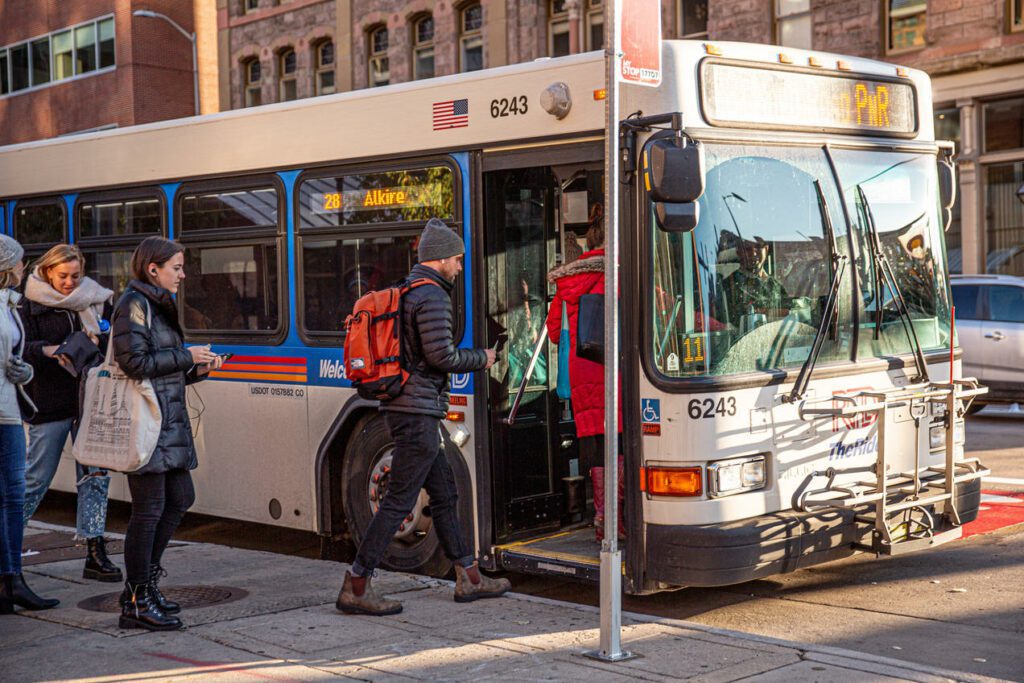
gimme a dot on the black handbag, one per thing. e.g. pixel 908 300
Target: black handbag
pixel 590 328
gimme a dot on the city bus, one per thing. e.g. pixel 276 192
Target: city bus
pixel 791 388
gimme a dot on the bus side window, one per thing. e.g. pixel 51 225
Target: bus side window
pixel 109 226
pixel 234 236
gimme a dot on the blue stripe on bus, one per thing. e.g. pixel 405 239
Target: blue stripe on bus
pixel 463 383
pixel 288 178
pixel 69 201
pixel 169 190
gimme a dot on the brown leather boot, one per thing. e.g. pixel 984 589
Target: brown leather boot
pixel 466 590
pixel 367 602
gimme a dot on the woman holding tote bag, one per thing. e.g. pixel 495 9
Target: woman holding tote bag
pixel 13 590
pixel 64 310
pixel 148 344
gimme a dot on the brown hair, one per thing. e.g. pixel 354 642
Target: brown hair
pixel 57 255
pixel 153 250
pixel 595 233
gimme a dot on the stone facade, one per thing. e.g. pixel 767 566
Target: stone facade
pixel 151 79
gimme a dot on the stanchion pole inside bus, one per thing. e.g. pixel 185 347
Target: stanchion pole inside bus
pixel 611 557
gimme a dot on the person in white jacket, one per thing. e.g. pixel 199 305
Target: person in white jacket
pixel 13 589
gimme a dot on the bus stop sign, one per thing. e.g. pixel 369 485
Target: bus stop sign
pixel 640 42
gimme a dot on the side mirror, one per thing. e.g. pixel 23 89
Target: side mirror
pixel 674 173
pixel 947 190
pixel 677 217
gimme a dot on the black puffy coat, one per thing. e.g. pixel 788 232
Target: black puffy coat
pixel 428 350
pixel 53 389
pixel 157 352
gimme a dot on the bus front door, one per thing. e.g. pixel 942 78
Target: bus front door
pixel 537 490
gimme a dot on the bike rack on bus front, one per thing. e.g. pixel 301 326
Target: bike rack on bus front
pixel 901 520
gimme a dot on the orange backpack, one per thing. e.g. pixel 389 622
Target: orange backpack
pixel 373 342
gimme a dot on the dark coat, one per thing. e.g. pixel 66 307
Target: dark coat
pixel 53 389
pixel 157 352
pixel 428 350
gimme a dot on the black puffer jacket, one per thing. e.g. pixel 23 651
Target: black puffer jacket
pixel 157 352
pixel 53 389
pixel 428 348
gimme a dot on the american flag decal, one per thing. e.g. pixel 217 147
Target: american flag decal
pixel 451 114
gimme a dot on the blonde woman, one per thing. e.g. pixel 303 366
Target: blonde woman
pixel 13 589
pixel 64 310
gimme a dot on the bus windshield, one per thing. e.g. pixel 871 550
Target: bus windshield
pixel 745 291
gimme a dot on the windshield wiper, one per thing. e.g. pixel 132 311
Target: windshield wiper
pixel 883 270
pixel 837 266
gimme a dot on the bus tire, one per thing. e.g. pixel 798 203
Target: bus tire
pixel 416 548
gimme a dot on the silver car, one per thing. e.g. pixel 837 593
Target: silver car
pixel 990 329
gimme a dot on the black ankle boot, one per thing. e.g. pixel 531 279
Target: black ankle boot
pixel 16 592
pixel 168 606
pixel 98 566
pixel 141 611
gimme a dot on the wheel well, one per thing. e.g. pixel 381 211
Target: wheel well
pixel 330 457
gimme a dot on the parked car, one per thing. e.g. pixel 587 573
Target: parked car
pixel 990 330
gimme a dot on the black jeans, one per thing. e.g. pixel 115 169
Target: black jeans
pixel 159 501
pixel 418 462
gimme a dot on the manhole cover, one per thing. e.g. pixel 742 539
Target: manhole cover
pixel 187 596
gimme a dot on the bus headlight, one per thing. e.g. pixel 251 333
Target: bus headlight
pixel 736 476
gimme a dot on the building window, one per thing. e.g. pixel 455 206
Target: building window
pixel 793 23
pixel 1003 123
pixel 471 41
pixel 287 67
pixel 63 60
pixel 251 75
pixel 250 6
pixel 85 49
pixel 947 127
pixel 693 19
pixel 1004 219
pixel 5 80
pixel 106 43
pixel 19 67
pixel 325 68
pixel 558 28
pixel 906 23
pixel 1016 15
pixel 40 53
pixel 595 25
pixel 423 48
pixel 379 66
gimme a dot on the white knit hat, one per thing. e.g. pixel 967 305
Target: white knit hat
pixel 10 252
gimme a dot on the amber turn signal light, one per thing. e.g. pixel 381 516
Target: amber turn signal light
pixel 674 481
pixel 600 94
pixel 455 416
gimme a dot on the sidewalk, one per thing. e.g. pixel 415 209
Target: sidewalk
pixel 272 618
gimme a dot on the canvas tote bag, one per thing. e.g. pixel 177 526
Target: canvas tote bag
pixel 121 417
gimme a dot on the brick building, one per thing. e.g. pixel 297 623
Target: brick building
pixel 69 67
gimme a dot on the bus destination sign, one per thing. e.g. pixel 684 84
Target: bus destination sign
pixel 735 95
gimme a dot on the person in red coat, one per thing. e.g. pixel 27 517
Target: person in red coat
pixel 572 280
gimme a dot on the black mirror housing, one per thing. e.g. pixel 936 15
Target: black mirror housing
pixel 674 173
pixel 677 217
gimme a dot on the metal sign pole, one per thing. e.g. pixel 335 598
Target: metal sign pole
pixel 611 557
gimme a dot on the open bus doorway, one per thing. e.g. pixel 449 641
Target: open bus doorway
pixel 535 217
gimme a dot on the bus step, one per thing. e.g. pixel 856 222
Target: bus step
pixel 573 553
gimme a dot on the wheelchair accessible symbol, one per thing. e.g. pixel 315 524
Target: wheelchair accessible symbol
pixel 461 380
pixel 650 410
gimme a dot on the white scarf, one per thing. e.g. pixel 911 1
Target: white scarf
pixel 86 299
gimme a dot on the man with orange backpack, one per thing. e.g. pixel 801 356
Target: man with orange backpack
pixel 428 354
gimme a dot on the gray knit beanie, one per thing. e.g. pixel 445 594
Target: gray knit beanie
pixel 438 241
pixel 10 252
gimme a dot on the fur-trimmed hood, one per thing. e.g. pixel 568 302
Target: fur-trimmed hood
pixel 590 262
